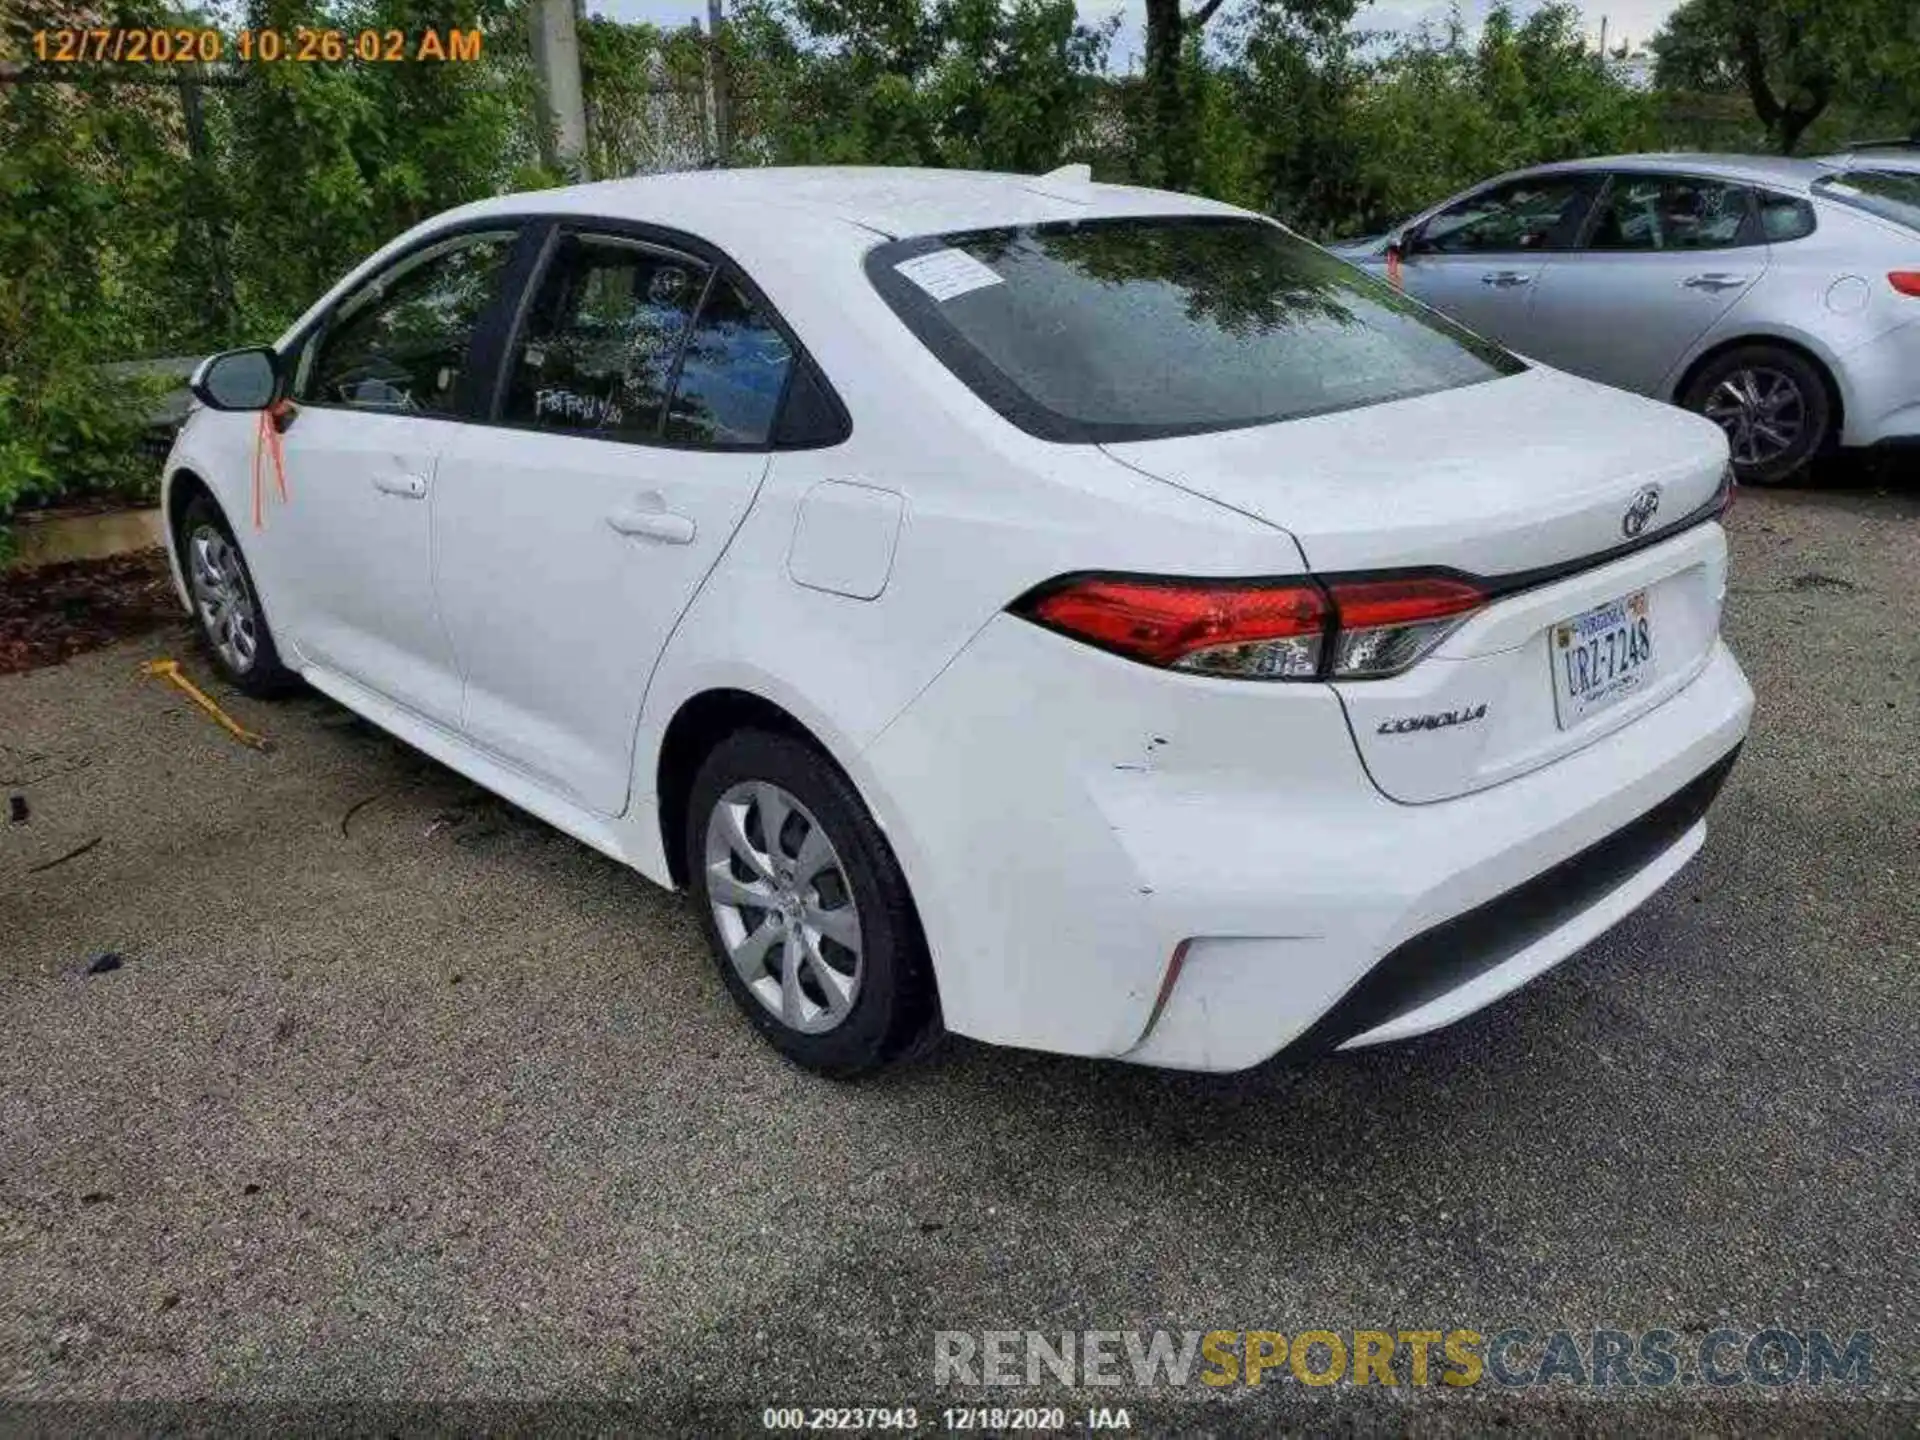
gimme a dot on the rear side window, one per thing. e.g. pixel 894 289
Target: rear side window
pixel 1784 217
pixel 599 348
pixel 1670 212
pixel 732 376
pixel 1891 194
pixel 1129 329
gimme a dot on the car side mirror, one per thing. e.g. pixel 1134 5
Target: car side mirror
pixel 246 379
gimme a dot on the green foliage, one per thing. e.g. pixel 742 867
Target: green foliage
pixel 1443 112
pixel 65 292
pixel 1796 60
pixel 644 88
pixel 329 161
pixel 961 83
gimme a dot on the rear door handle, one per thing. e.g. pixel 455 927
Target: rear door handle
pixel 1715 282
pixel 663 525
pixel 1506 279
pixel 407 487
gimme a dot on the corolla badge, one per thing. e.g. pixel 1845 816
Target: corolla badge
pixel 1640 511
pixel 1408 724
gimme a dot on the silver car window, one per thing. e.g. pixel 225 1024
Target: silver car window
pixel 1537 213
pixel 1670 212
pixel 1891 194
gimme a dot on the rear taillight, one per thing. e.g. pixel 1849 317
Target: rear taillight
pixel 1252 630
pixel 1722 500
pixel 1907 282
pixel 1355 628
pixel 1387 625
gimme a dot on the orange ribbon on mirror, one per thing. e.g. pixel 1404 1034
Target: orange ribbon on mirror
pixel 266 442
pixel 1393 266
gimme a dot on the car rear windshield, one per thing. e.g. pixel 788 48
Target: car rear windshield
pixel 1891 194
pixel 1133 329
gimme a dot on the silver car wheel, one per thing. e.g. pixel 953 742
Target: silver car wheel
pixel 1762 411
pixel 228 613
pixel 783 906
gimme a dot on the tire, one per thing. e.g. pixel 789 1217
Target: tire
pixel 1763 395
pixel 226 603
pixel 848 1008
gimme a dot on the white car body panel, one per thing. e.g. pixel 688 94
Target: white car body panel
pixel 556 663
pixel 1490 479
pixel 1066 818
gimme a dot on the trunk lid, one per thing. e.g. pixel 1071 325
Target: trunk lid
pixel 1498 478
pixel 1535 473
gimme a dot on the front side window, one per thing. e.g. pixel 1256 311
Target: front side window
pixel 1539 213
pixel 1891 194
pixel 1131 329
pixel 1669 212
pixel 601 343
pixel 401 343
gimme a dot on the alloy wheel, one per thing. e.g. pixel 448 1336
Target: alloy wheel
pixel 1763 412
pixel 783 906
pixel 227 608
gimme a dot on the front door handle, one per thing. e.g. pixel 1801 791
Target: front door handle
pixel 1505 279
pixel 662 524
pixel 407 487
pixel 1714 282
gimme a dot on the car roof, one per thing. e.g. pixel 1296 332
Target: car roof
pixel 893 202
pixel 1782 171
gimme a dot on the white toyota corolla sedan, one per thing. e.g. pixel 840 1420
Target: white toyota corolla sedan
pixel 1083 617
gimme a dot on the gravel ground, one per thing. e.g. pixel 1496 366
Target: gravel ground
pixel 396 1093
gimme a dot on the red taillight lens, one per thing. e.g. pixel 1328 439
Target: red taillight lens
pixel 1364 604
pixel 1249 630
pixel 1386 625
pixel 1907 282
pixel 1261 630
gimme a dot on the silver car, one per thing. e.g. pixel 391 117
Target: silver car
pixel 1780 298
pixel 1879 155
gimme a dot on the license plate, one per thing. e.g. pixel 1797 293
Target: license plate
pixel 1601 657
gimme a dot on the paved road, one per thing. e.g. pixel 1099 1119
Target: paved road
pixel 433 1101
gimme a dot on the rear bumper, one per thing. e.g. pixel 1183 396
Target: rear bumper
pixel 1881 384
pixel 1461 964
pixel 1511 881
pixel 1068 820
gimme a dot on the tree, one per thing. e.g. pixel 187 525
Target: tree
pixel 1176 72
pixel 965 83
pixel 1793 58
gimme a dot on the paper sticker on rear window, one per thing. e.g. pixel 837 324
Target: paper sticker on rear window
pixel 944 274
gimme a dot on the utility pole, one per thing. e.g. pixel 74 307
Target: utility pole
pixel 556 64
pixel 718 106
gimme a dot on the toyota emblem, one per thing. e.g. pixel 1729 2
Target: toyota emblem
pixel 1646 500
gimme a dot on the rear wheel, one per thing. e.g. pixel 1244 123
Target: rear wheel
pixel 226 606
pixel 1773 405
pixel 804 906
